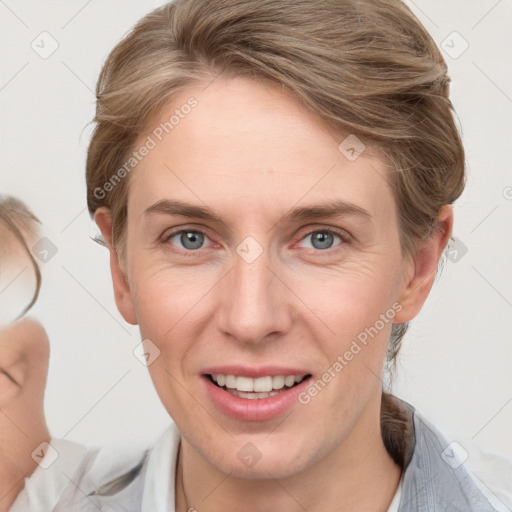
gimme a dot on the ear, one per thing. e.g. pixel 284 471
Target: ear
pixel 122 292
pixel 421 270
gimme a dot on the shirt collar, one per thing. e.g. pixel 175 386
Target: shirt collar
pixel 47 483
pixel 436 478
pixel 158 493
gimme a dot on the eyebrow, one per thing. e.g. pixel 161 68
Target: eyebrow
pixel 319 211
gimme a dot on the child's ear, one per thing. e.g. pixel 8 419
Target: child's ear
pixel 421 270
pixel 122 292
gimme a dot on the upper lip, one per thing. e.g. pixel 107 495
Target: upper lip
pixel 254 372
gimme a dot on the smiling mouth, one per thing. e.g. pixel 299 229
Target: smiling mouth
pixel 261 387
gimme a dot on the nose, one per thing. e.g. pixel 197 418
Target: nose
pixel 253 302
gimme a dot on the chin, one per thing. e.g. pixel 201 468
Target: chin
pixel 259 459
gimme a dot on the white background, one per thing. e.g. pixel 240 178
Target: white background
pixel 456 361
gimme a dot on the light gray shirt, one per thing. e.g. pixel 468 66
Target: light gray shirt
pixel 436 479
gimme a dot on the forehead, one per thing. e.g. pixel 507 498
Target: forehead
pixel 253 144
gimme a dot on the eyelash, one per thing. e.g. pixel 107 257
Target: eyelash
pixel 344 237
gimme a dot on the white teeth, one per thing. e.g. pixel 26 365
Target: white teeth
pixel 258 385
pixel 230 381
pixel 250 396
pixel 278 382
pixel 263 384
pixel 244 384
pixel 289 380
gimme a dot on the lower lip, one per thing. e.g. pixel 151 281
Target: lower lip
pixel 258 409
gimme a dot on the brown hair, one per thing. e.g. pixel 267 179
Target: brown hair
pixel 19 221
pixel 367 67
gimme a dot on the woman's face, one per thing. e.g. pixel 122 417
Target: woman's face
pixel 257 249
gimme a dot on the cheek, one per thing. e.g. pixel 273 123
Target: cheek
pixel 347 301
pixel 354 311
pixel 163 306
pixel 170 304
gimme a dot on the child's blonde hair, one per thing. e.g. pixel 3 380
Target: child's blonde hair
pixel 17 223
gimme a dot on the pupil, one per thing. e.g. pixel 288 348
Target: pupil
pixel 322 240
pixel 191 240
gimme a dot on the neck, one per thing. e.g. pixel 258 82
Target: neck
pixel 341 481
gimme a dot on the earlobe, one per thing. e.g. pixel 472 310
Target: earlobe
pixel 122 292
pixel 422 269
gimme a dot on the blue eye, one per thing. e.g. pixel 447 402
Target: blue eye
pixel 322 239
pixel 190 240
